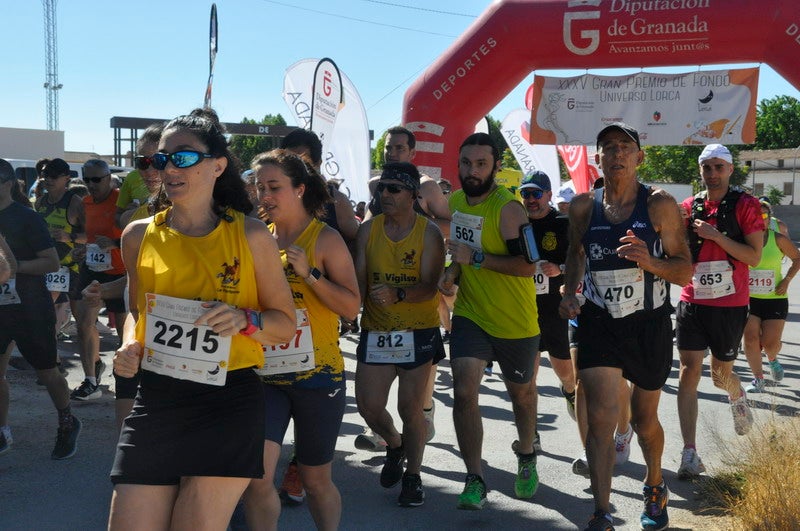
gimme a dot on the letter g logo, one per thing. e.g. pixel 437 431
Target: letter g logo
pixel 593 36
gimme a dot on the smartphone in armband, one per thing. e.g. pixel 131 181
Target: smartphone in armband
pixel 528 242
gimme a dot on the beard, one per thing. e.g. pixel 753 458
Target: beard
pixel 476 190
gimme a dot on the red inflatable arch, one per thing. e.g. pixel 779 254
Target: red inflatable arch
pixel 514 37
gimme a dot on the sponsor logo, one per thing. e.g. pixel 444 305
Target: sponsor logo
pixel 598 252
pixel 408 258
pixel 588 39
pixel 639 225
pixel 230 273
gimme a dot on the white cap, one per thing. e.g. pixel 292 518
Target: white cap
pixel 715 151
pixel 565 194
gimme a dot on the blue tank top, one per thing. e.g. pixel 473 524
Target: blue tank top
pixel 615 283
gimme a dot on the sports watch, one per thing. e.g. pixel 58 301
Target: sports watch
pixel 313 276
pixel 254 323
pixel 477 259
pixel 401 294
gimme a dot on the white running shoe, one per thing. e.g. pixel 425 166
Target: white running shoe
pixel 369 440
pixel 691 465
pixel 742 416
pixel 622 444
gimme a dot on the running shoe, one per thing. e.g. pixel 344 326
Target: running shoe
pixel 622 444
pixel 392 471
pixel 446 336
pixel 67 440
pixel 580 466
pixel 601 521
pixel 487 371
pixel 474 495
pixel 99 369
pixel 742 416
pixel 758 385
pixel 527 477
pixel 412 494
pixel 429 414
pixel 5 442
pixel 292 491
pixel 654 517
pixel 369 440
pixel 691 465
pixel 776 369
pixel 537 442
pixel 86 391
pixel 570 398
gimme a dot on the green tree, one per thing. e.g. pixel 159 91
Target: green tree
pixel 778 123
pixel 774 195
pixel 495 131
pixel 509 160
pixel 377 153
pixel 246 146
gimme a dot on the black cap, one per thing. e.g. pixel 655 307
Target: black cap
pixel 620 126
pixel 56 167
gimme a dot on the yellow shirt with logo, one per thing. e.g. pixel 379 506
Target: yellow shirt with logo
pixel 329 363
pixel 397 264
pixel 503 306
pixel 217 266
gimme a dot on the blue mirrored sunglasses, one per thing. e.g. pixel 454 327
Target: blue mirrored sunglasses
pixel 527 193
pixel 179 159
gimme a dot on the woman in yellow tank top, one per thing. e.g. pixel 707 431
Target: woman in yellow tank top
pixel 206 291
pixel 769 304
pixel 304 379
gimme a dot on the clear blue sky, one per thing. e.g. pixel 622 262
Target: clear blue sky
pixel 149 58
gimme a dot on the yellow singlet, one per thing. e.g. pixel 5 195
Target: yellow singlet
pixel 218 266
pixel 397 264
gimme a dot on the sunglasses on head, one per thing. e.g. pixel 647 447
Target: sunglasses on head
pixel 95 179
pixel 179 159
pixel 142 163
pixel 391 188
pixel 531 192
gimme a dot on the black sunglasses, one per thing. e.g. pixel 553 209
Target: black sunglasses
pixel 95 179
pixel 391 188
pixel 531 192
pixel 180 159
pixel 142 163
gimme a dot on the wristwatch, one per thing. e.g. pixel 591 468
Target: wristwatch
pixel 254 323
pixel 401 294
pixel 313 276
pixel 477 259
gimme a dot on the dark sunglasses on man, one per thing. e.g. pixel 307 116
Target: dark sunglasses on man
pixel 392 188
pixel 96 180
pixel 142 163
pixel 527 193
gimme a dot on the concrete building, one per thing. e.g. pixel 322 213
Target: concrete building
pixel 773 168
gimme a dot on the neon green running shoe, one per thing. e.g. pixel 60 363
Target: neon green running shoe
pixel 527 477
pixel 474 495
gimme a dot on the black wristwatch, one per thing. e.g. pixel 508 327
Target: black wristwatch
pixel 313 276
pixel 401 294
pixel 477 259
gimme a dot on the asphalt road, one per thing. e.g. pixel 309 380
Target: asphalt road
pixel 38 493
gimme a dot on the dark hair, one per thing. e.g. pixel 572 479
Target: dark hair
pixel 299 171
pixel 481 139
pixel 40 164
pixel 229 189
pixel 151 135
pixel 6 171
pixel 400 130
pixel 304 138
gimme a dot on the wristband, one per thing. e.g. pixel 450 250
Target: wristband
pixel 254 323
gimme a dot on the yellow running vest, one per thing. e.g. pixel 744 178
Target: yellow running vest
pixel 329 363
pixel 771 260
pixel 503 306
pixel 217 266
pixel 397 264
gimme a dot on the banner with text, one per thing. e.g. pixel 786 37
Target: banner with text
pixel 212 54
pixel 516 130
pixel 328 99
pixel 347 156
pixel 716 106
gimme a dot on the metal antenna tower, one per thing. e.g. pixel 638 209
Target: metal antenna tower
pixel 51 84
